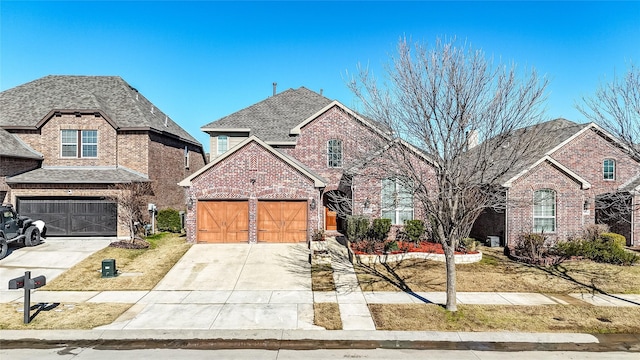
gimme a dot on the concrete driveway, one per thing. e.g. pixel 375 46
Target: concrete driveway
pixel 50 258
pixel 229 286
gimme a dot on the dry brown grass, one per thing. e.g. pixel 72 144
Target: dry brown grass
pixel 327 315
pixel 147 266
pixel 322 278
pixel 498 273
pixel 62 316
pixel 546 318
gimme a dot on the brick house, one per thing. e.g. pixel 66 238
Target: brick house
pixel 580 175
pixel 285 167
pixel 67 140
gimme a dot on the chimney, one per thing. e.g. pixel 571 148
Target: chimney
pixel 320 92
pixel 275 84
pixel 472 139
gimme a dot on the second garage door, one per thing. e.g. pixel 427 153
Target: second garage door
pixel 282 221
pixel 72 216
pixel 223 221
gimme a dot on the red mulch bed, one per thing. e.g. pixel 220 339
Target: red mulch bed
pixel 360 248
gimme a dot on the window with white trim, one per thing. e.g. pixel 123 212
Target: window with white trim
pixel 397 201
pixel 544 211
pixel 223 144
pixel 609 169
pixel 79 143
pixel 334 153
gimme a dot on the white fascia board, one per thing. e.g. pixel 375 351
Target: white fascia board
pixel 584 183
pixel 281 143
pixel 209 129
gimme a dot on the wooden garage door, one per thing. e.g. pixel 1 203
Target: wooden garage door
pixel 72 216
pixel 223 221
pixel 282 221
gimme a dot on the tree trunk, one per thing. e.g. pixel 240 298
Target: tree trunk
pixel 450 262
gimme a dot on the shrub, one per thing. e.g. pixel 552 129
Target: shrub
pixel 468 244
pixel 594 231
pixel 169 220
pixel 531 246
pixel 380 229
pixel 357 227
pixel 605 249
pixel 414 229
pixel 617 239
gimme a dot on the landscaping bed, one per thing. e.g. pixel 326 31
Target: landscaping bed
pixel 361 252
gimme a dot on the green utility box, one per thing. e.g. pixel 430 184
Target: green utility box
pixel 109 268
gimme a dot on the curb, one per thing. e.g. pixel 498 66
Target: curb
pixel 311 340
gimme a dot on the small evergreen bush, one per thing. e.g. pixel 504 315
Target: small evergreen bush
pixel 414 229
pixel 607 248
pixel 617 239
pixel 380 229
pixel 357 227
pixel 169 220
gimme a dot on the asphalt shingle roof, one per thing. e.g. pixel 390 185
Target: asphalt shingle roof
pixel 68 175
pixel 27 104
pixel 12 146
pixel 543 138
pixel 272 118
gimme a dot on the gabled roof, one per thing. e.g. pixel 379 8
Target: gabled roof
pixel 30 104
pixel 318 180
pixel 12 146
pixel 272 119
pixel 554 135
pixel 545 138
pixel 583 182
pixel 77 175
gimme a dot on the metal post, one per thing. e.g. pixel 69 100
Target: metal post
pixel 27 297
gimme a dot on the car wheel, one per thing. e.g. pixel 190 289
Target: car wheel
pixel 32 236
pixel 4 247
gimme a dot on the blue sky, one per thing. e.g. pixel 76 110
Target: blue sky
pixel 199 61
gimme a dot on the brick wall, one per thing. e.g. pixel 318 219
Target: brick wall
pixel 48 140
pixel 167 168
pixel 231 179
pixel 133 150
pixel 13 166
pixel 569 203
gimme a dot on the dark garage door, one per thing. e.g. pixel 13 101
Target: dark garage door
pixel 72 217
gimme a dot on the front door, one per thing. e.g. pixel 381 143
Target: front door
pixel 330 219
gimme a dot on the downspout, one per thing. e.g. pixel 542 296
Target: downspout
pixel 506 219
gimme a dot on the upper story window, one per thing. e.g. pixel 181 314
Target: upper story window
pixel 334 153
pixel 544 211
pixel 397 201
pixel 186 157
pixel 609 169
pixel 79 143
pixel 223 144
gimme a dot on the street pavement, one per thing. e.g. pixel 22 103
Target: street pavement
pixel 262 292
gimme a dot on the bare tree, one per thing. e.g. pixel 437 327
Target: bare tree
pixel 466 115
pixel 132 204
pixel 616 107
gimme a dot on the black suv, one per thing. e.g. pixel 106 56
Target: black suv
pixel 14 228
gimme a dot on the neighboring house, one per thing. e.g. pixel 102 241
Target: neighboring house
pixel 65 141
pixel 579 175
pixel 284 168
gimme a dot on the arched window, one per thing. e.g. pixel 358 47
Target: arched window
pixel 223 144
pixel 609 169
pixel 334 153
pixel 544 211
pixel 397 201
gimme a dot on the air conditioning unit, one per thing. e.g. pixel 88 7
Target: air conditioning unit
pixel 493 241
